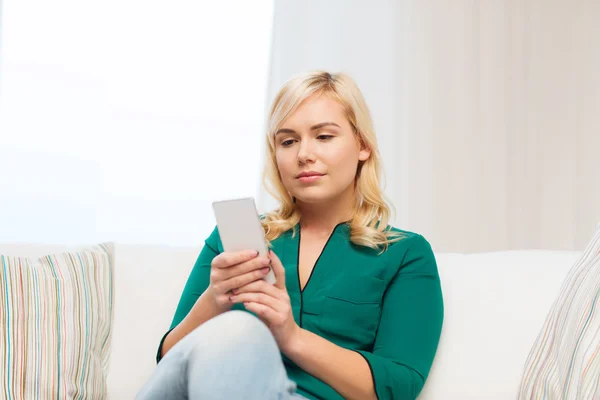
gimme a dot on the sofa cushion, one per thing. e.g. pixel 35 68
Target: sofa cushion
pixel 56 314
pixel 149 282
pixel 494 306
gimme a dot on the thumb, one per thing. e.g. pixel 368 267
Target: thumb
pixel 278 270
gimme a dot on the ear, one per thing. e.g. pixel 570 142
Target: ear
pixel 364 154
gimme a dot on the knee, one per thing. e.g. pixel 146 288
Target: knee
pixel 236 331
pixel 238 355
pixel 241 326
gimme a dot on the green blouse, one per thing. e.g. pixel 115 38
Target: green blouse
pixel 388 307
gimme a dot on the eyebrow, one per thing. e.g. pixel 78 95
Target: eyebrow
pixel 312 128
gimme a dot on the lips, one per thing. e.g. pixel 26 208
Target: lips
pixel 308 174
pixel 309 177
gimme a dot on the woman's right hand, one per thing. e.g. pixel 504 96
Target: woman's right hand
pixel 231 270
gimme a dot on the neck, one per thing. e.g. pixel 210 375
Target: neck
pixel 322 218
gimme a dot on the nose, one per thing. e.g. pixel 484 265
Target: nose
pixel 305 152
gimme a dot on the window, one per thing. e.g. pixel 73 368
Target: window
pixel 123 120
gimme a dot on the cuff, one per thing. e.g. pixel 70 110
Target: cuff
pixel 158 353
pixel 391 379
pixel 363 354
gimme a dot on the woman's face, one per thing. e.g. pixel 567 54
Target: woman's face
pixel 317 152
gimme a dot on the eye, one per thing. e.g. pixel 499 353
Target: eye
pixel 324 137
pixel 287 143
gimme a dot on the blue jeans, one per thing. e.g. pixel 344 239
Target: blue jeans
pixel 231 356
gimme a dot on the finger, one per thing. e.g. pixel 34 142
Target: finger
pixel 262 286
pixel 230 259
pixel 260 298
pixel 250 265
pixel 265 313
pixel 278 270
pixel 243 279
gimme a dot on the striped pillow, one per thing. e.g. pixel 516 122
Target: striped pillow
pixel 564 362
pixel 55 324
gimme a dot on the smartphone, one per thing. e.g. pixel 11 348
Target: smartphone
pixel 240 228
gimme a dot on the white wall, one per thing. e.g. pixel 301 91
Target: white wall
pixel 123 120
pixel 487 113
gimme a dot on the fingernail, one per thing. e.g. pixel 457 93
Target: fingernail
pixel 253 253
pixel 266 261
pixel 265 270
pixel 234 291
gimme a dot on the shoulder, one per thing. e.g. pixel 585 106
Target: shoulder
pixel 407 234
pixel 408 239
pixel 412 252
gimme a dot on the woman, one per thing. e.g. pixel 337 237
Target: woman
pixel 357 308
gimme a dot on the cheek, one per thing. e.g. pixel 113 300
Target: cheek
pixel 283 166
pixel 342 162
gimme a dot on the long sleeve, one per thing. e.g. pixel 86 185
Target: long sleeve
pixel 410 325
pixel 196 284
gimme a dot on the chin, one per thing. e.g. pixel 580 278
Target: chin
pixel 312 198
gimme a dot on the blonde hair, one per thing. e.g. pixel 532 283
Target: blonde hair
pixel 369 225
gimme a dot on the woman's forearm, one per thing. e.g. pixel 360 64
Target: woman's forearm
pixel 204 309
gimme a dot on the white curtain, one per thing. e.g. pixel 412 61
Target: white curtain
pixel 487 112
pixel 123 120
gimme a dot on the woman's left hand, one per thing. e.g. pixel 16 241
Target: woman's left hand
pixel 271 303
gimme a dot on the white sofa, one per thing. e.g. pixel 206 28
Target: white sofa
pixel 495 305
